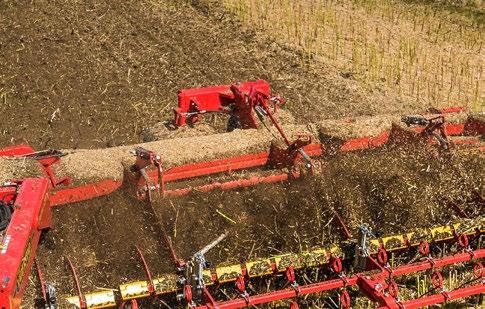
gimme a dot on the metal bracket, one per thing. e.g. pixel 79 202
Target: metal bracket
pixel 144 159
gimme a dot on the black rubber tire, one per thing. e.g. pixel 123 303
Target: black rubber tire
pixel 5 215
pixel 233 123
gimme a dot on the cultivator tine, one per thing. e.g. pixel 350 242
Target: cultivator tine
pixel 48 291
pixel 341 224
pixel 134 304
pixel 479 200
pixel 294 305
pixel 148 274
pixel 82 299
pixel 453 206
pixel 144 159
pixel 41 281
pixel 209 299
pixel 374 258
pixel 102 299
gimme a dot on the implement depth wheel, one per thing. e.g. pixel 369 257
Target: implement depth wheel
pixel 5 215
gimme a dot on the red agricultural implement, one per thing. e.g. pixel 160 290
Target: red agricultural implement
pixel 26 212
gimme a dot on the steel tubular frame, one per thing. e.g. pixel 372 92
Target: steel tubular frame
pixel 68 195
pixel 371 291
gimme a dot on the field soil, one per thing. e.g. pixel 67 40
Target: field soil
pixel 91 74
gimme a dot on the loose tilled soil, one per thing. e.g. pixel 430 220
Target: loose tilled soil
pixel 392 190
pixel 86 74
pixel 100 238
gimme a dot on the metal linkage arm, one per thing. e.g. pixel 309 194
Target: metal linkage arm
pixel 194 288
pixel 144 159
pixel 434 127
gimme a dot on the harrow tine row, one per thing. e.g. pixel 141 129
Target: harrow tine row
pixel 421 239
pixel 373 286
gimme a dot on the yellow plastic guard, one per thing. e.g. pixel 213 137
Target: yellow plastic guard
pixel 206 274
pixel 74 300
pixel 134 290
pixel 285 260
pixel 395 242
pixel 442 233
pixel 374 245
pixel 259 268
pixel 419 235
pixel 95 300
pixel 228 273
pixel 314 258
pixel 165 284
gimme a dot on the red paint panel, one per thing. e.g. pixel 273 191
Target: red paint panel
pixel 453 109
pixel 210 99
pixel 356 144
pixel 21 239
pixel 454 128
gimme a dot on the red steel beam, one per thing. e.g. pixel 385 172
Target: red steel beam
pixel 83 192
pixel 88 191
pixel 212 167
pixel 225 165
pixel 454 128
pixel 283 294
pixel 16 150
pixel 366 142
pixel 453 109
pixel 436 263
pixel 241 183
pixel 443 297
